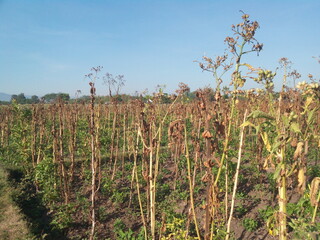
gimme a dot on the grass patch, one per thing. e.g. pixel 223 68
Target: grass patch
pixel 12 223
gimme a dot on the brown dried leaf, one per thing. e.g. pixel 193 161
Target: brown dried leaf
pixel 202 106
pixel 205 177
pixel 294 142
pixel 206 134
pixel 268 165
pixel 234 160
pixel 217 161
pixel 208 164
pixel 221 128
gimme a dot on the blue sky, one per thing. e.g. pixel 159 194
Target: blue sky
pixel 48 46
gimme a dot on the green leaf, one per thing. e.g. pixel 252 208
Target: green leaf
pixel 310 116
pixel 277 171
pixel 295 127
pixel 291 171
pixel 285 121
pixel 248 123
pixel 275 146
pixel 260 114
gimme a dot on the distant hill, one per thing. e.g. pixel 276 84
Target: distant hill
pixel 5 97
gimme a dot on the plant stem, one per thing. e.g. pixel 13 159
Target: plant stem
pixel 236 177
pixel 283 199
pixel 226 143
pixel 234 96
pixel 138 188
pixel 315 209
pixel 190 183
pixel 152 188
pixel 93 163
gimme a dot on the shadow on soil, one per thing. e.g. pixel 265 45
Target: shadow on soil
pixel 29 202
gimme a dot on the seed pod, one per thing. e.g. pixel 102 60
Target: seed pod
pixel 298 151
pixel 302 180
pixel 314 190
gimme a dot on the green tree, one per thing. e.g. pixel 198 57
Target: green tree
pixel 21 99
pixel 34 99
pixel 51 97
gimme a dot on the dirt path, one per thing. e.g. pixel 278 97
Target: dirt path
pixel 12 224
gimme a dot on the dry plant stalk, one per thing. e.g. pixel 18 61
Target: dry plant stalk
pixel 95 158
pixel 236 177
pixel 314 190
pixel 93 163
pixel 190 183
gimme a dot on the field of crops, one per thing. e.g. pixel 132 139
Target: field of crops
pixel 224 165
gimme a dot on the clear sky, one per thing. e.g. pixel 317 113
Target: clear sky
pixel 49 45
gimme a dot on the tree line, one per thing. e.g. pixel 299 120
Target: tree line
pixel 120 98
pixel 48 98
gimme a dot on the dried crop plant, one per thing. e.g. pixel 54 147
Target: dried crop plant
pixel 114 86
pixel 57 148
pixel 236 177
pixel 94 150
pixel 72 121
pixel 61 159
pixel 243 43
